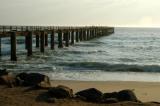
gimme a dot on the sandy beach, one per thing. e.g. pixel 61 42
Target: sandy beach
pixel 18 96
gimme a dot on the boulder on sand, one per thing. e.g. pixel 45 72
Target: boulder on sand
pixel 110 100
pixel 110 95
pixel 127 95
pixel 121 96
pixel 7 78
pixel 91 95
pixel 60 92
pixel 3 72
pixel 33 79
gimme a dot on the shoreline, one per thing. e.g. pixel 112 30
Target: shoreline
pixel 55 80
pixel 105 76
pixel 145 91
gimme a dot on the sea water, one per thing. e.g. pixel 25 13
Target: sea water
pixel 130 54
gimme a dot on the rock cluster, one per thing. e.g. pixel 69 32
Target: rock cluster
pixel 64 92
pixel 24 79
pixel 60 92
pixel 94 95
pixel 7 78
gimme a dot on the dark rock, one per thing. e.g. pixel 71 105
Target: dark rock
pixel 110 100
pixel 127 95
pixel 51 100
pixel 43 97
pixel 33 79
pixel 67 89
pixel 60 92
pixel 110 95
pixel 124 95
pixel 91 95
pixel 3 72
pixel 7 78
pixel 80 97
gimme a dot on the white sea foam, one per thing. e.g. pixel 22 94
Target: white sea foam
pixel 105 76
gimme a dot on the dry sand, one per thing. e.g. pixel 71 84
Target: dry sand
pixel 21 96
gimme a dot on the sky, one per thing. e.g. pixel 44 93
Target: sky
pixel 123 13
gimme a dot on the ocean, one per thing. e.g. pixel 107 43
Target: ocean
pixel 130 54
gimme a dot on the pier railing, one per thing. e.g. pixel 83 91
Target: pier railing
pixel 66 36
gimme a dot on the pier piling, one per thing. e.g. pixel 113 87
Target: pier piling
pixel 67 38
pixel 60 42
pixel 77 35
pixel 13 46
pixel 52 40
pixel 26 45
pixel 81 35
pixel 37 40
pixel 29 43
pixel 46 39
pixel 42 42
pixel 88 34
pixel 0 46
pixel 72 37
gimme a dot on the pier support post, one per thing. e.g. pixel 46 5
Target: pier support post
pixel 77 35
pixel 37 40
pixel 87 34
pixel 42 42
pixel 69 35
pixel 81 36
pixel 46 39
pixel 102 32
pixel 92 34
pixel 84 34
pixel 13 46
pixel 60 42
pixel 96 33
pixel 105 32
pixel 26 45
pixel 29 43
pixel 0 46
pixel 67 38
pixel 52 40
pixel 72 37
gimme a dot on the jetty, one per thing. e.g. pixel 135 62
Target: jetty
pixel 67 35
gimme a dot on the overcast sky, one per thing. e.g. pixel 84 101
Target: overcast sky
pixel 141 13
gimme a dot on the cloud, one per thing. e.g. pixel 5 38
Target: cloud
pixel 146 21
pixel 80 12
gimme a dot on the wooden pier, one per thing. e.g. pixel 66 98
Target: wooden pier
pixel 66 36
